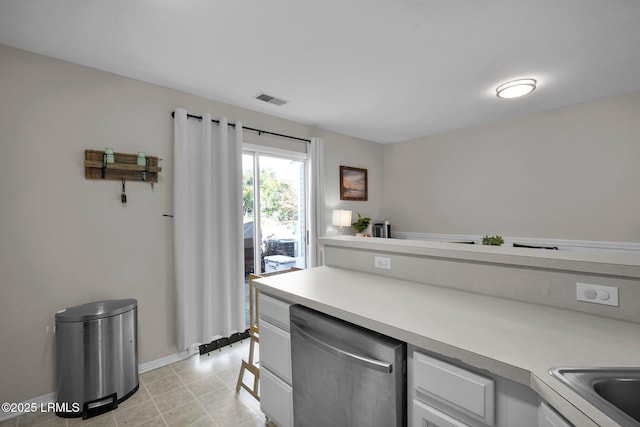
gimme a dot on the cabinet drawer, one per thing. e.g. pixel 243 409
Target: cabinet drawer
pixel 275 350
pixel 276 399
pixel 275 311
pixel 465 391
pixel 426 416
pixel 548 417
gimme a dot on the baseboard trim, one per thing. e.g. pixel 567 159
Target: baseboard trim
pixel 562 244
pixel 142 368
pixel 163 361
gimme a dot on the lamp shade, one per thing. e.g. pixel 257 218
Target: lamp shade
pixel 341 218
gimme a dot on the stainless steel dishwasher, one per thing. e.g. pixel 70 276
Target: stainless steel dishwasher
pixel 345 375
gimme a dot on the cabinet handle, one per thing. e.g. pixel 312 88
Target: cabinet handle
pixel 367 362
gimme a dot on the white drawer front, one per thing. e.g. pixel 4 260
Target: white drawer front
pixel 466 391
pixel 426 416
pixel 548 417
pixel 276 399
pixel 275 311
pixel 275 350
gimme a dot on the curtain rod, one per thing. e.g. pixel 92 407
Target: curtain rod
pixel 260 131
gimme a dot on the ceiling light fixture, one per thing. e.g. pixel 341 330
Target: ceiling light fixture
pixel 515 88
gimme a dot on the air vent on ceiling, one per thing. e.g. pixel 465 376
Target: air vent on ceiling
pixel 270 99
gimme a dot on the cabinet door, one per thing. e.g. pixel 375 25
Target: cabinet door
pixel 426 416
pixel 548 417
pixel 453 386
pixel 275 350
pixel 276 399
pixel 274 311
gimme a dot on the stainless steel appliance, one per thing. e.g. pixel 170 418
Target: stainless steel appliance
pixel 382 229
pixel 96 357
pixel 345 375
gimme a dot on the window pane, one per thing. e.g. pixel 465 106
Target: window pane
pixel 282 213
pixel 247 212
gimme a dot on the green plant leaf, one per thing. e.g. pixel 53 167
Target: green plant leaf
pixel 493 240
pixel 361 224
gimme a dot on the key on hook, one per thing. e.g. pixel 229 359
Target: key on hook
pixel 123 196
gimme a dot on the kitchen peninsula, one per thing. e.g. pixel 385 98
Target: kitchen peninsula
pixel 509 312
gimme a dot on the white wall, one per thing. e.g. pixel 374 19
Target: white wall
pixel 360 154
pixel 67 240
pixel 571 173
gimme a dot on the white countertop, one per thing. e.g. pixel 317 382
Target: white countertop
pixel 600 262
pixel 515 340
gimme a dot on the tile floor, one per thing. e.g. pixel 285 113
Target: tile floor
pixel 198 391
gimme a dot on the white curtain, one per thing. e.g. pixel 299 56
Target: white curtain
pixel 207 207
pixel 317 204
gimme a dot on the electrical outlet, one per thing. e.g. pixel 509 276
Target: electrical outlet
pixel 382 262
pixel 597 294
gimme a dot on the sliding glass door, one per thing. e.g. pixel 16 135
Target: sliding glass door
pixel 274 209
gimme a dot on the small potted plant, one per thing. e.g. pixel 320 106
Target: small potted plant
pixel 492 240
pixel 361 225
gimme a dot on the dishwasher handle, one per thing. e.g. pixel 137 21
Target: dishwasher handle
pixel 367 362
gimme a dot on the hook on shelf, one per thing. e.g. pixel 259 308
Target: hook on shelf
pixel 123 196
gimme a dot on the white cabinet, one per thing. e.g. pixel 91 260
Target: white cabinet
pixel 446 393
pixel 275 311
pixel 548 417
pixel 465 391
pixel 276 397
pixel 276 393
pixel 426 416
pixel 275 350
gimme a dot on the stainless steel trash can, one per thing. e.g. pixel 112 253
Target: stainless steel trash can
pixel 96 357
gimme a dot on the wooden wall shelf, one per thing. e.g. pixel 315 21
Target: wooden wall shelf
pixel 125 166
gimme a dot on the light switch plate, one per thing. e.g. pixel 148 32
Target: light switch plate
pixel 597 294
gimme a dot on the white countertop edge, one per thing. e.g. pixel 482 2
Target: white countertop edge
pixel 565 400
pixel 617 264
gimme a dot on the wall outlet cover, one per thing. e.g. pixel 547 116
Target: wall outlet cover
pixel 597 294
pixel 382 262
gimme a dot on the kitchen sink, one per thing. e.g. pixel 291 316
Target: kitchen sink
pixel 614 391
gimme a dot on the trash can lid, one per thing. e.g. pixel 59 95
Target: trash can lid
pixel 96 310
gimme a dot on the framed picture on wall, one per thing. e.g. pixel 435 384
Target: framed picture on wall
pixel 353 184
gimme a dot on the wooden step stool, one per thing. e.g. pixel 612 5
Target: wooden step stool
pixel 254 334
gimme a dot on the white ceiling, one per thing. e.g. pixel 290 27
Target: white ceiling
pixel 382 70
